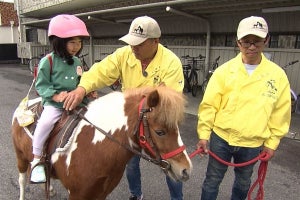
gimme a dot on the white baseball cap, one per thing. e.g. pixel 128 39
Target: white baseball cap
pixel 141 29
pixel 252 26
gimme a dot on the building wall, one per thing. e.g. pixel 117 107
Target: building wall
pixel 30 5
pixel 8 14
pixel 8 33
pixel 188 36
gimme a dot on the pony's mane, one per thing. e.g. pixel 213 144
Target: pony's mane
pixel 170 109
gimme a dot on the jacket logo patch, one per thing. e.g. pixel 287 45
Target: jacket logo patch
pixel 156 80
pixel 271 89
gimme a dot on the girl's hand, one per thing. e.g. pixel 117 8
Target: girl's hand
pixel 60 97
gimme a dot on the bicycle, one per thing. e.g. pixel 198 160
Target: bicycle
pixel 94 94
pixel 214 66
pixel 117 85
pixel 83 62
pixel 34 62
pixel 190 72
pixel 295 101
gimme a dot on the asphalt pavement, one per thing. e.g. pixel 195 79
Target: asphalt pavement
pixel 282 180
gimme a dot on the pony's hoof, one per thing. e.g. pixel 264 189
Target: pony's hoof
pixel 52 193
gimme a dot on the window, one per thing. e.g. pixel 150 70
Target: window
pixel 230 40
pixel 274 41
pixel 217 40
pixel 31 35
pixel 297 44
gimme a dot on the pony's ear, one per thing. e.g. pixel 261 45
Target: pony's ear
pixel 153 99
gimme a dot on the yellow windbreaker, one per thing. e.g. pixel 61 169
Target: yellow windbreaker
pixel 246 111
pixel 165 67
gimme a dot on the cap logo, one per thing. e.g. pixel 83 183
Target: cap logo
pixel 139 30
pixel 258 25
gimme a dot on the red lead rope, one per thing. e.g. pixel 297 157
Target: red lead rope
pixel 262 170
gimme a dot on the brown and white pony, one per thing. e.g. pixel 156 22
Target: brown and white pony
pixel 116 126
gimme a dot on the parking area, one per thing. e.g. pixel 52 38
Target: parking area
pixel 283 175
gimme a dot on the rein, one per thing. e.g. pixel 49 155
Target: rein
pixel 262 170
pixel 142 132
pixel 116 141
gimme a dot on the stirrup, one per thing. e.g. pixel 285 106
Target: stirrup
pixel 44 180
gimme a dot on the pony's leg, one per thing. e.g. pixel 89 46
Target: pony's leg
pixel 51 189
pixel 74 197
pixel 22 184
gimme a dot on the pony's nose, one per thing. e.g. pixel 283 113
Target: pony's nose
pixel 185 175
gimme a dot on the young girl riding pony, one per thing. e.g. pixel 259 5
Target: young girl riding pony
pixel 55 79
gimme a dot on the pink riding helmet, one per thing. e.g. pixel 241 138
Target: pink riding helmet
pixel 65 26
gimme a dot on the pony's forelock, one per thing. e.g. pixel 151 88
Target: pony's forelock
pixel 171 107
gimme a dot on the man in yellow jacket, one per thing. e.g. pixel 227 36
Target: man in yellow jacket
pixel 246 109
pixel 144 62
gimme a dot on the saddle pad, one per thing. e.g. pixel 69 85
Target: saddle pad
pixel 63 130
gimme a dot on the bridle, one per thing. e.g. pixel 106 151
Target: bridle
pixel 142 132
pixel 146 142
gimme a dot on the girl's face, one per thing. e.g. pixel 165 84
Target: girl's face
pixel 74 45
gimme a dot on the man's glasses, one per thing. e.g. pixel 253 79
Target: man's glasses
pixel 248 44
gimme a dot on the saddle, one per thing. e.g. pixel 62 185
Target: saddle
pixel 61 132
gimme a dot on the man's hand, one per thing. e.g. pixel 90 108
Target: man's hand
pixel 203 144
pixel 74 98
pixel 269 151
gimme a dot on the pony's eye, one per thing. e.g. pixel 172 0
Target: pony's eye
pixel 160 132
